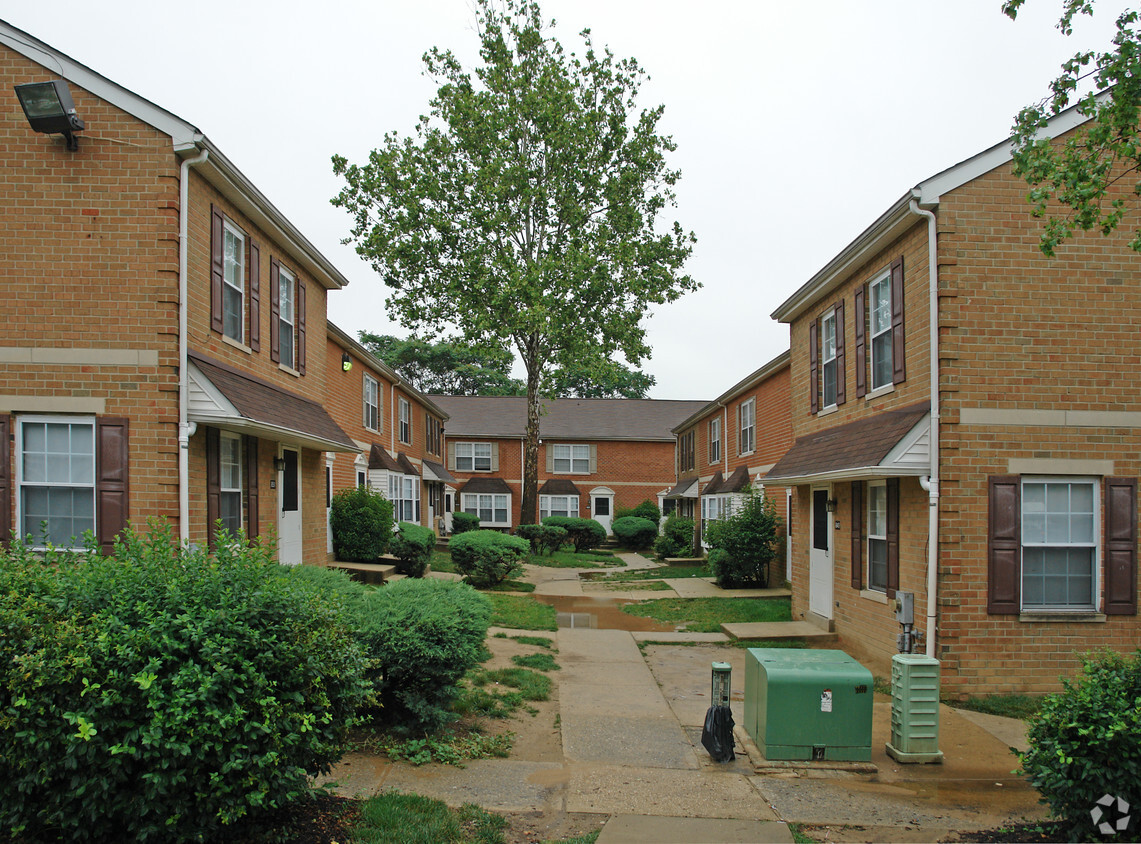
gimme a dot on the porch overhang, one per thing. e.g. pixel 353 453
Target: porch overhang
pixel 686 489
pixel 436 472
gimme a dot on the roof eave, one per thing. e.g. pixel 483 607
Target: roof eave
pixel 243 424
pixel 848 474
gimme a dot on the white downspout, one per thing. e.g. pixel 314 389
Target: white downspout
pixel 184 428
pixel 932 485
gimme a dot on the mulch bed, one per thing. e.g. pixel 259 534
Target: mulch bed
pixel 322 820
pixel 1027 833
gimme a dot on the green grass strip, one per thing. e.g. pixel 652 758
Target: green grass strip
pixel 706 615
pixel 520 612
pixel 396 818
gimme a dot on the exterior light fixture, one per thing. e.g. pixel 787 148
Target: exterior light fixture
pixel 831 505
pixel 49 108
pixel 346 362
pixel 279 464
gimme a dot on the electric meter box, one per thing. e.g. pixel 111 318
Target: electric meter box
pixel 808 704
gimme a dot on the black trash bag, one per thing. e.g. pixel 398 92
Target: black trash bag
pixel 717 734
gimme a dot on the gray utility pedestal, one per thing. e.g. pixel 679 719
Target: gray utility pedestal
pixel 914 709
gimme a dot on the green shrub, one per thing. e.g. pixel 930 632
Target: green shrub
pixel 361 521
pixel 533 534
pixel 412 546
pixel 635 532
pixel 676 539
pixel 751 540
pixel 464 522
pixel 424 635
pixel 488 557
pixel 549 538
pixel 165 694
pixel 1086 742
pixel 584 533
pixel 646 510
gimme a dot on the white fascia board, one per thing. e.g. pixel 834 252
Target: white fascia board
pixel 288 436
pixel 862 473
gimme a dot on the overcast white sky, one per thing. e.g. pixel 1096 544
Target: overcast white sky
pixel 797 123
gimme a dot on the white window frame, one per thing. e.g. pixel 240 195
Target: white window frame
pixel 747 426
pixel 287 325
pixel 571 459
pixel 549 505
pixel 828 362
pixel 1093 544
pixel 404 493
pixel 229 491
pixel 23 483
pixel 714 508
pixel 471 453
pixel 876 540
pixel 405 410
pixel 879 294
pixel 232 286
pixel 493 501
pixel 371 392
pixel 715 441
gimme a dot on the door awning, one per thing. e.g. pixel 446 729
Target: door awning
pixel 686 489
pixel 436 472
pixel 559 486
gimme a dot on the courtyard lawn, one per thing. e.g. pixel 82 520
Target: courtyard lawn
pixel 659 573
pixel 520 612
pixel 706 615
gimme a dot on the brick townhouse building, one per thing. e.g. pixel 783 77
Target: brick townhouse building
pixel 595 455
pixel 399 431
pixel 731 443
pixel 163 351
pixel 967 430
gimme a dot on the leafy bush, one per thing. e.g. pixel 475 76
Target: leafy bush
pixel 646 510
pixel 165 694
pixel 412 545
pixel 424 635
pixel 584 533
pixel 676 539
pixel 750 538
pixel 1086 743
pixel 547 538
pixel 361 521
pixel 464 522
pixel 488 557
pixel 635 533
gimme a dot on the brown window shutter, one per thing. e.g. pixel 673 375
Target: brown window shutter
pixel 861 327
pixel 899 369
pixel 213 483
pixel 857 534
pixel 1004 545
pixel 593 458
pixel 841 367
pixel 274 310
pixel 301 330
pixel 250 445
pixel 255 296
pixel 112 457
pixel 451 457
pixel 1120 546
pixel 892 536
pixel 814 365
pixel 216 269
pixel 5 479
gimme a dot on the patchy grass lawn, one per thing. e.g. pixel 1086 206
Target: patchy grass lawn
pixel 659 573
pixel 394 817
pixel 637 586
pixel 521 612
pixel 442 561
pixel 571 560
pixel 706 615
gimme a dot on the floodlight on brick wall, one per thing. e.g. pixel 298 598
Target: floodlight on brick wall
pixel 49 108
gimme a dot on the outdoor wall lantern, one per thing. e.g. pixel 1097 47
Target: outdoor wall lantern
pixel 346 362
pixel 49 108
pixel 831 505
pixel 279 464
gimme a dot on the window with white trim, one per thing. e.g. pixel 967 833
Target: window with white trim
pixel 828 358
pixel 1059 543
pixel 405 421
pixel 879 328
pixel 473 457
pixel 492 508
pixel 230 477
pixel 233 280
pixel 877 537
pixel 714 508
pixel 404 493
pixel 572 459
pixel 714 441
pixel 558 505
pixel 747 422
pixel 56 477
pixel 287 318
pixel 371 403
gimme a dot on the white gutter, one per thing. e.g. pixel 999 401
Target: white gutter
pixel 184 427
pixel 932 484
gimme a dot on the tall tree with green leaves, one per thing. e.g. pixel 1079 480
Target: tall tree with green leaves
pixel 525 208
pixel 1072 183
pixel 600 380
pixel 449 367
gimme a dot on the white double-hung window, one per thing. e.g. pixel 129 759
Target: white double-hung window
pixel 558 505
pixel 490 507
pixel 473 457
pixel 1059 543
pixel 747 433
pixel 230 477
pixel 572 459
pixel 877 537
pixel 233 281
pixel 828 358
pixel 371 403
pixel 56 478
pixel 404 493
pixel 879 325
pixel 287 318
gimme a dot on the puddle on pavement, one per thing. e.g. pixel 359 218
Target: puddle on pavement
pixel 599 614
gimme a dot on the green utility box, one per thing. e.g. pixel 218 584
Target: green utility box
pixel 914 709
pixel 808 704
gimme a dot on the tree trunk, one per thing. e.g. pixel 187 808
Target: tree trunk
pixel 529 509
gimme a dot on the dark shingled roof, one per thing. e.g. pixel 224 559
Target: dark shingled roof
pixel 378 458
pixel 737 481
pixel 261 401
pixel 714 485
pixel 856 445
pixel 486 486
pixel 686 489
pixel 440 472
pixel 406 465
pixel 559 486
pixel 580 419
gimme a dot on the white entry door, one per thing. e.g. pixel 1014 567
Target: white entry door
pixel 289 548
pixel 602 506
pixel 820 556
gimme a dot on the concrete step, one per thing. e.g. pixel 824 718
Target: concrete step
pixel 794 631
pixel 366 572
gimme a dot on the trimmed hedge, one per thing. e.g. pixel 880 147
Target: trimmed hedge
pixel 547 538
pixel 464 522
pixel 412 545
pixel 163 693
pixel 361 521
pixel 646 510
pixel 488 557
pixel 636 533
pixel 676 539
pixel 584 533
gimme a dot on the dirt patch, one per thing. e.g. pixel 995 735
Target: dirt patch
pixel 536 827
